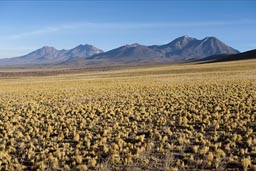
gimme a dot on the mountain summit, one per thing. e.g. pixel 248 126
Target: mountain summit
pixel 188 48
pixel 182 49
pixel 45 53
pixel 82 51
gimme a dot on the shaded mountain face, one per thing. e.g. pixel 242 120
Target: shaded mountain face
pixel 182 49
pixel 50 55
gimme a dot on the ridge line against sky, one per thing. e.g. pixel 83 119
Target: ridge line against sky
pixel 29 25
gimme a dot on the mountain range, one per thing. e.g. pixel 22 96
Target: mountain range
pixel 182 49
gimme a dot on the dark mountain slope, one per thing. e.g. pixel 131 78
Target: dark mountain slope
pixel 241 56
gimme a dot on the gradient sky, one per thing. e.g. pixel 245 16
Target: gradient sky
pixel 29 25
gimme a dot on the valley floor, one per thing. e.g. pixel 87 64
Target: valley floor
pixel 165 117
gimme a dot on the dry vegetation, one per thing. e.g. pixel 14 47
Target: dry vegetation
pixel 184 117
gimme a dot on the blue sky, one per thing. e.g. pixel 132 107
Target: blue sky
pixel 29 25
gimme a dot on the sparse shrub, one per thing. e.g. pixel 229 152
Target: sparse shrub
pixel 246 162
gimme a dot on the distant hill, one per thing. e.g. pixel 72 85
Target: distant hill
pixel 182 49
pixel 221 58
pixel 50 55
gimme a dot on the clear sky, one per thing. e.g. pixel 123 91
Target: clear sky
pixel 29 25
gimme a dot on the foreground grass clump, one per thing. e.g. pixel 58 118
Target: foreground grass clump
pixel 127 124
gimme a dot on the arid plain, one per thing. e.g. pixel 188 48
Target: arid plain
pixel 165 117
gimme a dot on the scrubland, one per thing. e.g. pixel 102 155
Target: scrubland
pixel 171 117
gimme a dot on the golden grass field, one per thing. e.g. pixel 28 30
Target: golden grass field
pixel 166 117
